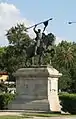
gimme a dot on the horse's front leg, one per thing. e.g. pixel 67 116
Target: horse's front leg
pixel 26 61
pixel 33 61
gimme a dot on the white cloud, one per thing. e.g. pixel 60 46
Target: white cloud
pixel 59 39
pixel 9 16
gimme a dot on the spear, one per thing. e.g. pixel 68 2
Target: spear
pixel 39 23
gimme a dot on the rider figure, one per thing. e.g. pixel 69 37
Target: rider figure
pixel 38 38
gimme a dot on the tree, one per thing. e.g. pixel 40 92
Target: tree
pixel 66 80
pixel 15 54
pixel 17 35
pixel 64 61
pixel 65 55
pixel 2 52
pixel 18 41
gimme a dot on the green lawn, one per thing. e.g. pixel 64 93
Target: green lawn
pixel 41 115
pixel 10 117
pixel 14 117
pixel 22 117
pixel 28 116
pixel 32 115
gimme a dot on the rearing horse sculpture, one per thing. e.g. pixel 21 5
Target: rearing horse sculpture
pixel 41 44
pixel 46 42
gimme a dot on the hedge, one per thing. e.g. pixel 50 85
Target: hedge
pixel 5 99
pixel 68 102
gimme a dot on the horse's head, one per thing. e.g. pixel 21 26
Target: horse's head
pixel 51 39
pixel 48 40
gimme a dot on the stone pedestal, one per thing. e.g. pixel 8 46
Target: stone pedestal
pixel 37 89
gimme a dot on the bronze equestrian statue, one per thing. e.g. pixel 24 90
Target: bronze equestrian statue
pixel 40 45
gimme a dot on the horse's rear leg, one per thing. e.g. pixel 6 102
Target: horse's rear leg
pixel 40 60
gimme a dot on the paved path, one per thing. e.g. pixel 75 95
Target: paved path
pixel 10 113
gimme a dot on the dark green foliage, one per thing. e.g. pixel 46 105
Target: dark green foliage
pixel 3 87
pixel 65 81
pixel 68 102
pixel 5 99
pixel 18 34
pixel 65 62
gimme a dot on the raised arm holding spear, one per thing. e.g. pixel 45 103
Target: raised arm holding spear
pixel 39 34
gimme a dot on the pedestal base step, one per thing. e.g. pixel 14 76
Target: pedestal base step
pixel 41 105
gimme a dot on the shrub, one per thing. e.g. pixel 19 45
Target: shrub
pixel 5 99
pixel 68 102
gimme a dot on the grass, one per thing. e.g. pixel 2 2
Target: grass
pixel 24 116
pixel 29 115
pixel 47 115
pixel 42 115
pixel 13 117
pixel 10 117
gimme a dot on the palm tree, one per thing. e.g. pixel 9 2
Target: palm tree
pixel 65 54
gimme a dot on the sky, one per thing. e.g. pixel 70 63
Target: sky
pixel 34 11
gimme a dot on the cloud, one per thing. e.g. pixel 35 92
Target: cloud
pixel 59 39
pixel 10 16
